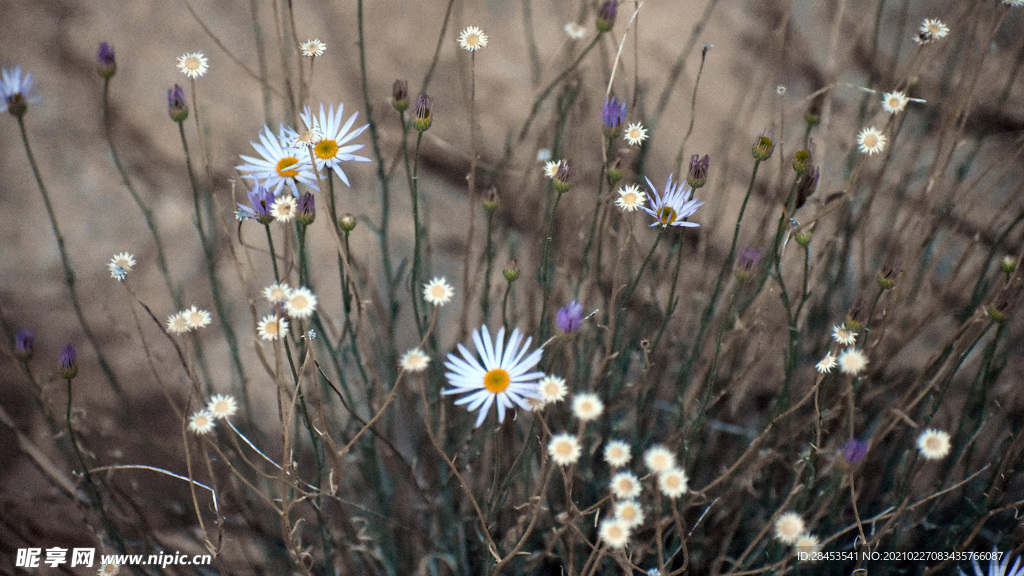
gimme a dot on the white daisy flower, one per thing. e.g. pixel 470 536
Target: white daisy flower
pixel 673 482
pixel 933 444
pixel 120 265
pixel 931 29
pixel 564 449
pixel 438 292
pixel 284 208
pixel 472 39
pixel 674 207
pixel 196 318
pixel 635 133
pixel 201 422
pixel 177 323
pixel 551 167
pixel 625 485
pixel 551 389
pixel 271 327
pixel 501 376
pixel 193 64
pixel 852 361
pixel 574 30
pixel 313 48
pixel 587 406
pixel 826 364
pixel 280 162
pixel 333 147
pixel 414 360
pixel 871 140
pixel 843 335
pixel 658 459
pixel 109 570
pixel 614 532
pixel 630 512
pixel 893 102
pixel 630 198
pixel 222 406
pixel 301 303
pixel 276 293
pixel 617 453
pixel 789 527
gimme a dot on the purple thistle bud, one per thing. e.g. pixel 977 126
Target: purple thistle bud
pixel 606 15
pixel 176 105
pixel 24 341
pixel 854 450
pixel 749 257
pixel 68 367
pixel 400 95
pixel 569 317
pixel 261 200
pixel 698 173
pixel 424 107
pixel 613 115
pixel 806 184
pixel 106 63
pixel 307 209
pixel 563 177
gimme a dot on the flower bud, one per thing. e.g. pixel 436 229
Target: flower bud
pixel 748 259
pixel 511 271
pixel 563 178
pixel 606 15
pixel 569 317
pixel 423 117
pixel 1008 265
pixel 887 276
pixel 491 200
pixel 106 64
pixel 803 238
pixel 68 366
pixel 856 316
pixel 614 171
pixel 177 108
pixel 698 173
pixel 307 209
pixel 806 184
pixel 347 222
pixel 400 95
pixel 24 341
pixel 613 114
pixel 763 149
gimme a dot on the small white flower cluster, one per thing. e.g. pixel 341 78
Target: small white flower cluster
pixel 851 361
pixel 790 529
pixel 297 303
pixel 188 320
pixel 626 487
pixel 220 407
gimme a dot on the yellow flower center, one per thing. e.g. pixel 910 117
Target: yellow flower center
pixel 193 63
pixel 497 380
pixel 287 162
pixel 326 149
pixel 667 215
pixel 870 140
pixel 300 302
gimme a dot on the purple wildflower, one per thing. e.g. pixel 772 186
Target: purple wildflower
pixel 177 107
pixel 854 450
pixel 307 209
pixel 15 91
pixel 698 173
pixel 68 366
pixel 261 200
pixel 613 115
pixel 24 341
pixel 106 63
pixel 569 317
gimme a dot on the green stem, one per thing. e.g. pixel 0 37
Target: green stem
pixel 211 269
pixel 547 90
pixel 485 298
pixel 643 267
pixel 69 273
pixel 545 275
pixel 414 281
pixel 273 254
pixel 147 213
pixel 709 310
pixel 504 305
